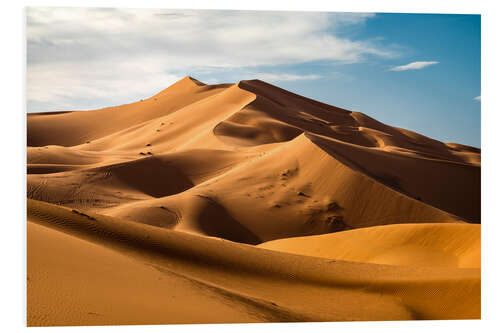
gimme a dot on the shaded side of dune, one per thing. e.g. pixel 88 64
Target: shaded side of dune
pixel 450 186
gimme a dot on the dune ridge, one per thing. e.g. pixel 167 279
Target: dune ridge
pixel 260 199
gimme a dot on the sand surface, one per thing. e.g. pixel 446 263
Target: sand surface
pixel 246 203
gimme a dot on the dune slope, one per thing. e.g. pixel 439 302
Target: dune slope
pixel 249 283
pixel 426 244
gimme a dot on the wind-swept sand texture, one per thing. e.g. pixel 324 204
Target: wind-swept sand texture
pixel 246 203
pixel 425 244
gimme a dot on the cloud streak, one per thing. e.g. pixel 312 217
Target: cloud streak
pixel 281 77
pixel 90 57
pixel 414 65
pixel 478 98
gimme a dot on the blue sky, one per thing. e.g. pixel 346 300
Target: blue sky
pixel 437 100
pixel 417 71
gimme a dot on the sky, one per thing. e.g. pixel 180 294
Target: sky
pixel 417 71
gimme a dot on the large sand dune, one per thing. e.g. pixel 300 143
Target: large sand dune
pixel 175 191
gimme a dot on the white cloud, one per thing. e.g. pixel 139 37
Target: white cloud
pixel 78 57
pixel 273 77
pixel 478 98
pixel 93 85
pixel 414 65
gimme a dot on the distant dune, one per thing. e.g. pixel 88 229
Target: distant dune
pixel 246 203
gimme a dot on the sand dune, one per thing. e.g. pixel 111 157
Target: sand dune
pixel 180 187
pixel 249 283
pixel 285 194
pixel 426 244
pixel 73 128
